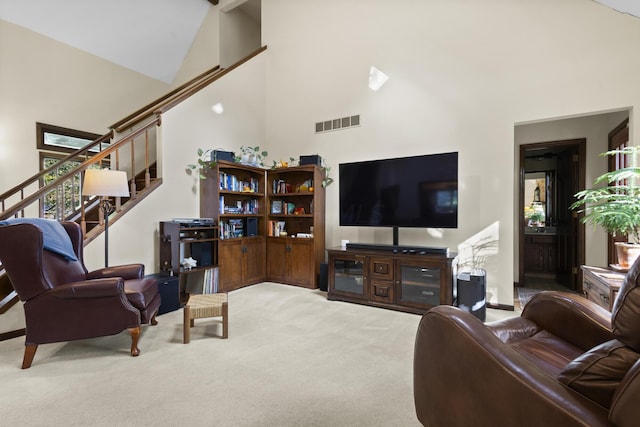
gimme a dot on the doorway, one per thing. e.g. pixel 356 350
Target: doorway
pixel 551 237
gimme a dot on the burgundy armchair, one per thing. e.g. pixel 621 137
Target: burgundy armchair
pixel 65 302
pixel 564 362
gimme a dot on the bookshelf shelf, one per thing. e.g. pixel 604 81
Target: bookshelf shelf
pixel 241 218
pixel 180 240
pixel 295 210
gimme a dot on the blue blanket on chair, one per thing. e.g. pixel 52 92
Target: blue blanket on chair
pixel 54 237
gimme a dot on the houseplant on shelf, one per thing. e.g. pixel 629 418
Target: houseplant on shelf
pixel 614 204
pixel 206 160
pixel 252 156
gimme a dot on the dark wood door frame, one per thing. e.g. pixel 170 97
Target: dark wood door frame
pixel 580 145
pixel 617 138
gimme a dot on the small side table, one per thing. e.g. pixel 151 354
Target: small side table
pixel 601 285
pixel 206 305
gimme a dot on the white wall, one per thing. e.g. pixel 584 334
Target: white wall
pixel 47 81
pixel 239 33
pixel 462 74
pixel 205 50
pixel 185 128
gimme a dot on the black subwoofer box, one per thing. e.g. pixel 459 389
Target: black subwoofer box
pixel 168 288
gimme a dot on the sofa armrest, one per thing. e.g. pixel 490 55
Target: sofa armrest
pixel 97 288
pixel 570 317
pixel 464 375
pixel 127 271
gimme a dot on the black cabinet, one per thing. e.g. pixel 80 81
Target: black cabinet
pixel 169 290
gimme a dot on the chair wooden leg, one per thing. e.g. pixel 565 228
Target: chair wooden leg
pixel 135 335
pixel 225 320
pixel 154 321
pixel 186 325
pixel 29 353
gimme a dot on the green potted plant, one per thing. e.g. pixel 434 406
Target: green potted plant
pixel 471 277
pixel 536 219
pixel 206 160
pixel 252 156
pixel 327 179
pixel 614 204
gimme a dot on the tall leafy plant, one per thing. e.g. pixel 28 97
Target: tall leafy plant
pixel 614 202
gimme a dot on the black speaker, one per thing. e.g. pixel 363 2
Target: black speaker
pixel 202 252
pixel 224 155
pixel 323 282
pixel 252 226
pixel 311 160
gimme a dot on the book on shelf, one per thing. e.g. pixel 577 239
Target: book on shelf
pixel 230 182
pixel 279 186
pixel 203 281
pixel 231 228
pixel 274 228
pixel 241 207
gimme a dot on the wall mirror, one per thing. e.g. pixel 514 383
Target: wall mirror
pixel 538 199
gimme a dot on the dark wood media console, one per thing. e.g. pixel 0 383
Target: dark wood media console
pixel 408 281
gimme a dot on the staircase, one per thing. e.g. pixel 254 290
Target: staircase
pixel 131 145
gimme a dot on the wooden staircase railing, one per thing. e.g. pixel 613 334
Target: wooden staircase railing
pixel 27 198
pixel 179 94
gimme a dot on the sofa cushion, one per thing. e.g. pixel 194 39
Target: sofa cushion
pixel 597 373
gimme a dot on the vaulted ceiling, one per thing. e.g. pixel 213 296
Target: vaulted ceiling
pixel 151 37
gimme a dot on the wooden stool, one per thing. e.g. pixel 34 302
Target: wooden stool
pixel 206 305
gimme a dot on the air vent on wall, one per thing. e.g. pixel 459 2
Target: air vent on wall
pixel 337 124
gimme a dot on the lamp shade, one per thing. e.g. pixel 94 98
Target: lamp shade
pixel 105 182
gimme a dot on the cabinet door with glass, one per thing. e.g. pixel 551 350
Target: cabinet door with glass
pixel 419 284
pixel 347 276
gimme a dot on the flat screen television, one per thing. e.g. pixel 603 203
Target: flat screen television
pixel 416 191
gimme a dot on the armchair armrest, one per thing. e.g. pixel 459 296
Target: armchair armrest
pixel 127 271
pixel 96 288
pixel 464 375
pixel 570 317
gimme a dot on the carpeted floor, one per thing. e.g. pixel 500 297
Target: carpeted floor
pixel 292 359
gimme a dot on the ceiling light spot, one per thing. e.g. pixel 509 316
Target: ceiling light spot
pixel 217 108
pixel 376 78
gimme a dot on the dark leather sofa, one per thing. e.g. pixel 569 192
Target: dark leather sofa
pixel 564 362
pixel 65 302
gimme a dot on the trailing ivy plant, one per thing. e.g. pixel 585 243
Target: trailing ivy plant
pixel 206 160
pixel 252 155
pixel 327 179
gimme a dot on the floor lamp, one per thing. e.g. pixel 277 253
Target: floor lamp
pixel 105 183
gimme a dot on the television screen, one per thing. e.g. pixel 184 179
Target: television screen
pixel 417 191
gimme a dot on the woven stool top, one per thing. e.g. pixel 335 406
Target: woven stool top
pixel 206 305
